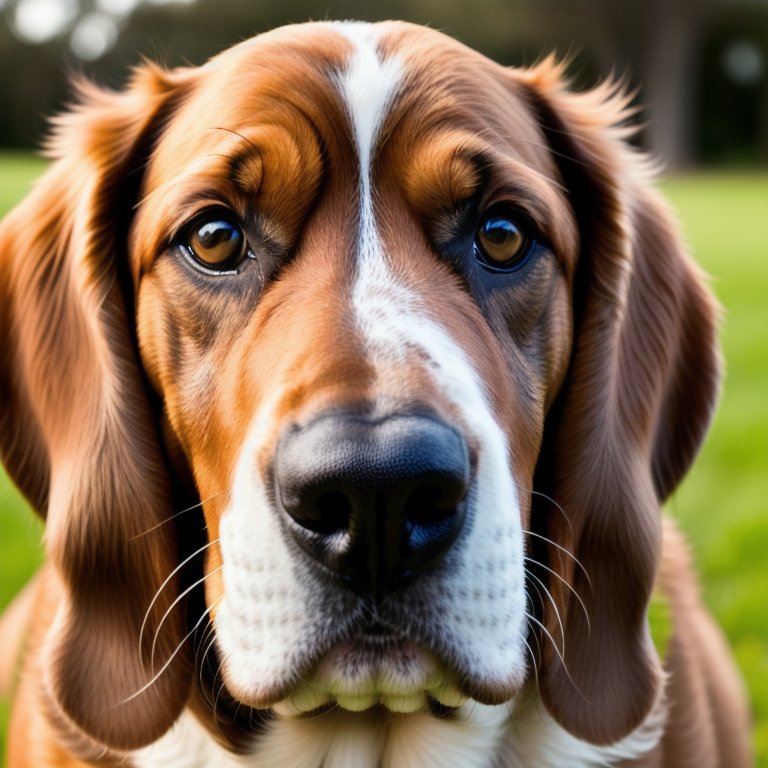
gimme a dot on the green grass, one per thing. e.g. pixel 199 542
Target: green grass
pixel 722 505
pixel 17 172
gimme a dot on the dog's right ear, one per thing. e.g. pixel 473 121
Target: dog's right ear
pixel 76 430
pixel 639 395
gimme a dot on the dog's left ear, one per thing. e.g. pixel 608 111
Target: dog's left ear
pixel 633 411
pixel 76 430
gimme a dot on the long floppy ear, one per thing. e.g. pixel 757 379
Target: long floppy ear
pixel 76 430
pixel 638 399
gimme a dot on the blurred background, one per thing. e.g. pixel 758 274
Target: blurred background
pixel 700 64
pixel 700 68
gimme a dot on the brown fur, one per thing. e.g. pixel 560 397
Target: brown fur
pixel 124 388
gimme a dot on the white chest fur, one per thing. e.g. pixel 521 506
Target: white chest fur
pixel 516 735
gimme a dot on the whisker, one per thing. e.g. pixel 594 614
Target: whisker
pixel 202 665
pixel 171 607
pixel 509 704
pixel 221 689
pixel 530 599
pixel 575 593
pixel 235 133
pixel 239 706
pixel 175 515
pixel 551 599
pixel 172 656
pixel 536 640
pixel 203 638
pixel 562 549
pixel 543 145
pixel 552 151
pixel 533 634
pixel 163 586
pixel 557 651
pixel 550 499
pixel 551 639
pixel 533 660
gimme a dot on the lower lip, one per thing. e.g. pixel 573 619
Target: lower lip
pixel 378 685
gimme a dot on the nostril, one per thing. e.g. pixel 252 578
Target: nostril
pixel 430 505
pixel 433 516
pixel 324 512
pixel 334 512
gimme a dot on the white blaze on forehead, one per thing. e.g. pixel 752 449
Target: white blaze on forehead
pixel 368 85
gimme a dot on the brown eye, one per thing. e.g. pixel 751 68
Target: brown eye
pixel 501 242
pixel 217 243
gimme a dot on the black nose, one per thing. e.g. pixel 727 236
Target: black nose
pixel 373 500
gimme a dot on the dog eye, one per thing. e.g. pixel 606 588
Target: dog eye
pixel 216 242
pixel 502 242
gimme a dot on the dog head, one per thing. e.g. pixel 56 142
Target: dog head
pixel 417 334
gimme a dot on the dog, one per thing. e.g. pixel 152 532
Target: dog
pixel 349 372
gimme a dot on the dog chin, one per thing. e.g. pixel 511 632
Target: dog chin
pixel 374 669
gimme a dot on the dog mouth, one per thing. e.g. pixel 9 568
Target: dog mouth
pixel 375 667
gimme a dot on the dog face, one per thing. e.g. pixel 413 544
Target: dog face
pixel 370 384
pixel 415 332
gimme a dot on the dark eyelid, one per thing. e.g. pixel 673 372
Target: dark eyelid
pixel 209 213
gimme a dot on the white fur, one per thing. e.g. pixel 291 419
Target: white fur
pixel 535 739
pixel 479 737
pixel 259 622
pixel 342 740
